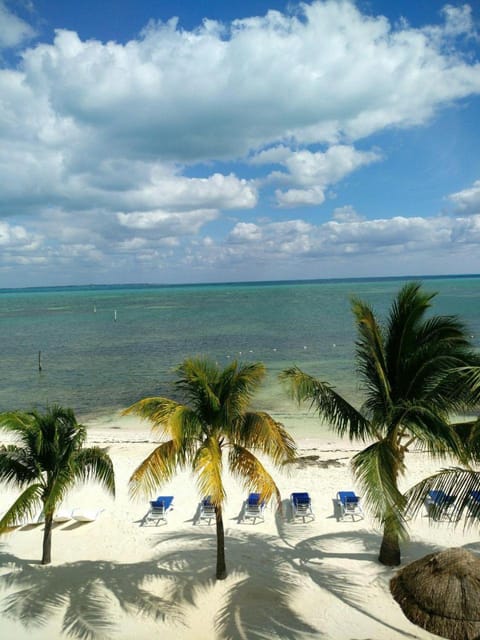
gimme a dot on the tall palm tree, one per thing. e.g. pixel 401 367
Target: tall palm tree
pixel 47 460
pixel 215 422
pixel 407 369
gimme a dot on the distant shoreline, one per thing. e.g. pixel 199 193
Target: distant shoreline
pixel 240 283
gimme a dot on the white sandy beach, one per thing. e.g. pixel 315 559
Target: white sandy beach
pixel 116 579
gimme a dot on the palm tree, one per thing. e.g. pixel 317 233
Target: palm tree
pixel 460 482
pixel 215 421
pixel 407 368
pixel 47 461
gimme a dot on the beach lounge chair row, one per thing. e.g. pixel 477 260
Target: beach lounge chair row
pixel 345 504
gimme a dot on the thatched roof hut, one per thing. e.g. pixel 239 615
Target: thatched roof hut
pixel 441 593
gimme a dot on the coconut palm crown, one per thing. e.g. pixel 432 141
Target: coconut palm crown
pixel 408 371
pixel 45 462
pixel 212 427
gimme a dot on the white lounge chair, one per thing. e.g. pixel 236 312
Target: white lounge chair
pixel 86 515
pixel 254 508
pixel 62 515
pixel 301 504
pixel 348 504
pixel 158 511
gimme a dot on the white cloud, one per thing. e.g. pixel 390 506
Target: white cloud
pixel 13 30
pixel 458 22
pixel 166 223
pixel 299 197
pixel 300 240
pixel 316 171
pixel 317 77
pixel 108 151
pixel 468 200
pixel 346 214
pixel 16 237
pixel 245 231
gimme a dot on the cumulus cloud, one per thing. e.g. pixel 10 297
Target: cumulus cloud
pixel 317 77
pixel 316 171
pixel 304 242
pixel 468 200
pixel 108 149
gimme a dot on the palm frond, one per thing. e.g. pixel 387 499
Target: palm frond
pixel 341 415
pixel 177 420
pixel 377 468
pixel 25 506
pixel 58 488
pixel 404 320
pixel 16 421
pixel 17 466
pixel 253 475
pixel 157 468
pixel 155 410
pixel 431 431
pixel 259 431
pixel 470 380
pixel 94 463
pixel 371 359
pixel 207 464
pixel 198 381
pixel 454 481
pixel 184 425
pixel 469 434
pixel 236 386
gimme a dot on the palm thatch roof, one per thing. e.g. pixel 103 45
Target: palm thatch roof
pixel 441 593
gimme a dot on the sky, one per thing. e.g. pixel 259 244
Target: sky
pixel 209 141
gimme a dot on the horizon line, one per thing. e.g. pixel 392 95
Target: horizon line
pixel 153 285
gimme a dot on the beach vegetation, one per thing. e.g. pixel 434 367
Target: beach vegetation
pixel 461 483
pixel 409 369
pixel 46 460
pixel 212 425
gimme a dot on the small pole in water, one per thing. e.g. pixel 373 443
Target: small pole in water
pixel 115 315
pixel 94 308
pixel 39 360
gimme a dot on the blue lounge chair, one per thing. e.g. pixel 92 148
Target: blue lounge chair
pixel 348 504
pixel 301 506
pixel 254 508
pixel 158 511
pixel 439 505
pixel 473 504
pixel 207 510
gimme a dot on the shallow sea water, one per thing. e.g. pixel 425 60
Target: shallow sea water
pixel 103 348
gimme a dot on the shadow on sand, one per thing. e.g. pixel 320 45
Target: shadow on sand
pixel 259 593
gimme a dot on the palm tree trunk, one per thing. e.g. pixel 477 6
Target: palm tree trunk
pixel 221 566
pixel 47 539
pixel 390 548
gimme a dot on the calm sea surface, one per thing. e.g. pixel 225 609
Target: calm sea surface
pixel 103 348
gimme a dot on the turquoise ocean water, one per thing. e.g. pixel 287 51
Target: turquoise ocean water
pixel 98 365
